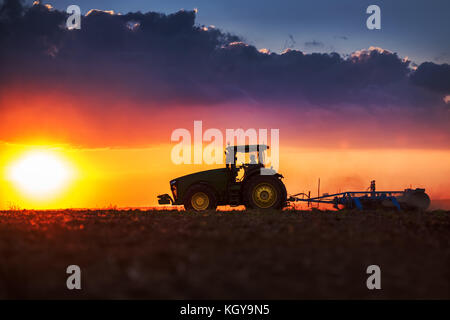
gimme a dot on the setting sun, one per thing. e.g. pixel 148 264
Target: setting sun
pixel 39 173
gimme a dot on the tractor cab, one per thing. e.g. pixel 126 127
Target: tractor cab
pixel 244 160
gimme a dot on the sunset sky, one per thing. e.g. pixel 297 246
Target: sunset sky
pixel 99 104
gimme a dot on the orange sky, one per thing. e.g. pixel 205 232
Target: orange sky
pixel 111 119
pixel 134 177
pixel 121 156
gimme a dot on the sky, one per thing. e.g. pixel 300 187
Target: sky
pixel 415 28
pixel 351 104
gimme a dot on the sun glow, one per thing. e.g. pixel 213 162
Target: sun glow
pixel 40 173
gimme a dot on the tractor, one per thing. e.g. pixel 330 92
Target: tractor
pixel 250 184
pixel 256 187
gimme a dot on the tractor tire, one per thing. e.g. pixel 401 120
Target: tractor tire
pixel 200 198
pixel 264 192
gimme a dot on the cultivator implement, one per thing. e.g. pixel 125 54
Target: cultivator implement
pixel 370 199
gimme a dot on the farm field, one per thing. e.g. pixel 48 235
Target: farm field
pixel 154 254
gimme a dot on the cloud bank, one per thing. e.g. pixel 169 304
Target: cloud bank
pixel 164 60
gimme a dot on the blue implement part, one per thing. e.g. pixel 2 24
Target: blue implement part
pixel 411 198
pixel 357 203
pixel 396 204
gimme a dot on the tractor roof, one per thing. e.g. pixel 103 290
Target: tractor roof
pixel 248 148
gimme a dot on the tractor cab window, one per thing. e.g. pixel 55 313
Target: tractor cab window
pixel 250 158
pixel 247 157
pixel 229 157
pixel 262 157
pixel 242 160
pixel 247 162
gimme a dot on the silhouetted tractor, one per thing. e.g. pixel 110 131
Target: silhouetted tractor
pixel 256 187
pixel 249 184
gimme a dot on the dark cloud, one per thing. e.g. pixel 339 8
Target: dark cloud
pixel 168 58
pixel 433 76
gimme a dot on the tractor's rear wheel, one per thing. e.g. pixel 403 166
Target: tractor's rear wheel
pixel 264 192
pixel 200 198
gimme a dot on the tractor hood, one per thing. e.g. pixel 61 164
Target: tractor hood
pixel 199 175
pixel 215 179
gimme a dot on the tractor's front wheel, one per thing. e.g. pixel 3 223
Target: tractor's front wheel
pixel 200 198
pixel 264 192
